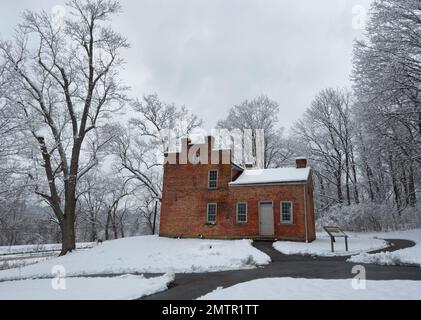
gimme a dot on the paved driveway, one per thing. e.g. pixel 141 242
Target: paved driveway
pixel 193 286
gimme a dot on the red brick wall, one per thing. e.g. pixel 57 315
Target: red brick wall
pixel 186 195
pixel 276 194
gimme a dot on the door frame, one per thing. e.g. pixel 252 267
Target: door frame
pixel 273 213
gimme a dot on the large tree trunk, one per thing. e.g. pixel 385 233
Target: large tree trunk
pixel 107 225
pixel 69 217
pixel 67 225
pixel 68 236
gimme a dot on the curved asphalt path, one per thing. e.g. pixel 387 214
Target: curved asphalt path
pixel 193 286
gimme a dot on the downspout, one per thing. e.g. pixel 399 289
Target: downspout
pixel 305 211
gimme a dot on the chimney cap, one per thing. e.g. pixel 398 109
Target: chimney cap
pixel 249 166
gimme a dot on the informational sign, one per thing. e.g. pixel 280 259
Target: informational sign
pixel 336 232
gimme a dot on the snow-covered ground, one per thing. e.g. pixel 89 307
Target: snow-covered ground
pixel 357 243
pixel 317 289
pixel 126 287
pixel 20 256
pixel 409 256
pixel 149 254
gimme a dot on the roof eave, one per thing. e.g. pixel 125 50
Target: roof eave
pixel 298 182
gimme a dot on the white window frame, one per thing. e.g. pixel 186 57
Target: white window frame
pixel 207 213
pixel 237 213
pixel 209 179
pixel 292 213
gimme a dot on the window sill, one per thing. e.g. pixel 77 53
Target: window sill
pixel 210 224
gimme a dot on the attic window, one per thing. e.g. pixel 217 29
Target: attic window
pixel 213 179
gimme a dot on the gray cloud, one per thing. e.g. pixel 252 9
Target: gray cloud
pixel 212 54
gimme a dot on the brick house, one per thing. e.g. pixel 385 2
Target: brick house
pixel 226 201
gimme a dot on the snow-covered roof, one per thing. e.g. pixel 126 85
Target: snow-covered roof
pixel 272 176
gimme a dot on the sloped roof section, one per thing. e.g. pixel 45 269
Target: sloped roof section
pixel 272 176
pixel 236 165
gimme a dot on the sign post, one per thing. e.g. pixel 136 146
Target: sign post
pixel 335 232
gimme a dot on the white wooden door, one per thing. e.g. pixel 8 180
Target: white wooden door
pixel 267 225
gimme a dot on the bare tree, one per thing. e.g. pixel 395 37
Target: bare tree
pixel 261 113
pixel 92 202
pixel 327 134
pixel 114 198
pixel 141 148
pixel 63 79
pixel 387 81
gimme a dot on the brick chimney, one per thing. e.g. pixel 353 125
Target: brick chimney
pixel 249 166
pixel 301 163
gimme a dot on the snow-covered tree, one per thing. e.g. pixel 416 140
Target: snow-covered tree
pixel 62 79
pixel 140 148
pixel 261 113
pixel 387 82
pixel 326 134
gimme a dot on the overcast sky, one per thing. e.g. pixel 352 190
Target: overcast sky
pixel 212 54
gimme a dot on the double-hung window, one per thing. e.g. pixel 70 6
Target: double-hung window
pixel 211 213
pixel 213 179
pixel 286 213
pixel 242 212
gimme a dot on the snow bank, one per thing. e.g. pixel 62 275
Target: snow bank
pixel 413 235
pixel 19 263
pixel 365 217
pixel 126 287
pixel 20 256
pixel 321 247
pixel 409 256
pixel 39 247
pixel 317 289
pixel 150 254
